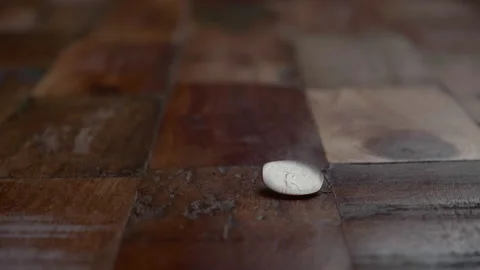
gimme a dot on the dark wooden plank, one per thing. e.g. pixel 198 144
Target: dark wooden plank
pixel 62 223
pixel 15 90
pixel 411 215
pixel 414 244
pixel 18 18
pixel 90 67
pixel 364 125
pixel 407 189
pixel 78 137
pixel 371 60
pixel 237 42
pixel 29 50
pixel 224 218
pixel 228 124
pixel 143 20
pixel 70 18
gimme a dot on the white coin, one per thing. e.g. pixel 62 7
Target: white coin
pixel 292 177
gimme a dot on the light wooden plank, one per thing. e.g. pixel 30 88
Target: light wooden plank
pixel 393 125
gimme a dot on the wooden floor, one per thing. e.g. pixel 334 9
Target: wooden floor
pixel 132 133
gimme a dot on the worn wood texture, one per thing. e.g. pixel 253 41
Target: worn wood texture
pixel 15 90
pixel 62 223
pixel 78 137
pixel 223 218
pixel 256 56
pixel 209 125
pixel 393 125
pixel 143 21
pixel 414 244
pixel 444 25
pixel 32 50
pixel 421 190
pixel 460 73
pixel 70 18
pixel 411 215
pixel 18 19
pixel 376 59
pixel 90 67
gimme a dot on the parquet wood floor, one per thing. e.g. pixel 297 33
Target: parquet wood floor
pixel 133 132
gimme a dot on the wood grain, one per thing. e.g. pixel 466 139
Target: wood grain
pixel 89 67
pixel 70 18
pixel 32 50
pixel 230 124
pixel 78 137
pixel 18 19
pixel 424 244
pixel 223 218
pixel 62 223
pixel 141 21
pixel 460 74
pixel 411 215
pixel 408 190
pixel 15 90
pixel 393 125
pixel 336 61
pixel 257 55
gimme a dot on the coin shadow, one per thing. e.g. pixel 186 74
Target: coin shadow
pixel 267 193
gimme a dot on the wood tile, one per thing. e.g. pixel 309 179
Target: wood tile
pixel 230 16
pixel 223 218
pixel 62 223
pixel 29 50
pixel 256 56
pixel 17 19
pixel 78 137
pixel 460 73
pixel 143 20
pixel 70 19
pixel 440 12
pixel 393 125
pixel 410 215
pixel 413 244
pixel 301 17
pixel 407 190
pixel 328 61
pixel 210 125
pixel 103 68
pixel 15 90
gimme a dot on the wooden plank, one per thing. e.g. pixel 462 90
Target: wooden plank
pixel 70 18
pixel 62 223
pixel 223 218
pixel 207 125
pixel 15 90
pixel 419 190
pixel 18 19
pixel 29 50
pixel 142 21
pixel 393 125
pixel 410 215
pixel 89 67
pixel 460 73
pixel 296 18
pixel 78 137
pixel 336 61
pixel 414 244
pixel 439 12
pixel 258 56
pixel 236 42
